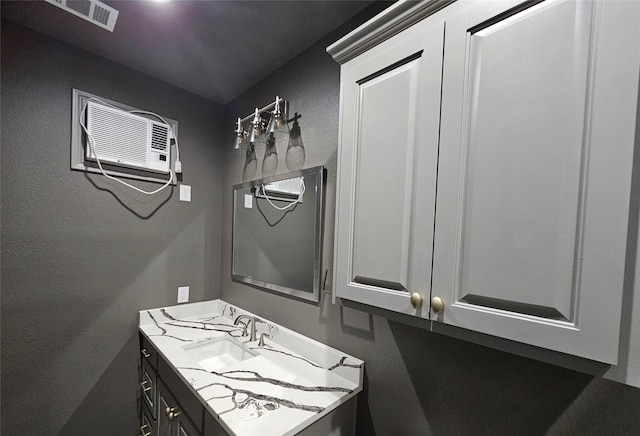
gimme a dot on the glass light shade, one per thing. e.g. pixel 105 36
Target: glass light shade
pixel 240 134
pixel 278 118
pixel 257 127
pixel 277 122
pixel 239 141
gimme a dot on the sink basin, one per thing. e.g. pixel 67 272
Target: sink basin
pixel 218 353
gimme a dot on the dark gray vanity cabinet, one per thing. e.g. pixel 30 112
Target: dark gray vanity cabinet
pixel 148 391
pixel 148 388
pixel 147 423
pixel 173 419
pixel 212 428
pixel 168 407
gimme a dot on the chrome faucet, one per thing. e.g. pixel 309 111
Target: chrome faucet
pixel 252 321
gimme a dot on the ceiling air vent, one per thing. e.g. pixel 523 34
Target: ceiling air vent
pixel 93 11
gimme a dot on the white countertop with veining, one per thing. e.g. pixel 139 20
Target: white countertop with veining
pixel 290 383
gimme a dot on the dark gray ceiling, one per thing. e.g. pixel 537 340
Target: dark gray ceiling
pixel 216 49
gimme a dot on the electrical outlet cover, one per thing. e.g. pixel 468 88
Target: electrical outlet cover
pixel 185 193
pixel 183 294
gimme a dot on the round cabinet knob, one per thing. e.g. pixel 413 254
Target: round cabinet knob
pixel 171 413
pixel 437 305
pixel 416 300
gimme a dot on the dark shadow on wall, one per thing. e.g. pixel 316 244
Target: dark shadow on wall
pixel 603 408
pixel 364 421
pixel 356 323
pixel 142 206
pixel 468 389
pixel 107 410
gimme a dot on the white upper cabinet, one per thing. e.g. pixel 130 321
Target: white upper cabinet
pixel 493 142
pixel 535 173
pixel 386 198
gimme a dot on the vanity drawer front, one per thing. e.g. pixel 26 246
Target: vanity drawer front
pixel 147 423
pixel 188 402
pixel 148 352
pixel 148 386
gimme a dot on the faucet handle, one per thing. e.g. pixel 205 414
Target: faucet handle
pixel 261 341
pixel 245 326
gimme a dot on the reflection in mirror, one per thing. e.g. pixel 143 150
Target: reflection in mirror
pixel 277 233
pixel 250 163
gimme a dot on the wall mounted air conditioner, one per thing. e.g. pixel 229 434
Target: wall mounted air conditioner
pixel 125 139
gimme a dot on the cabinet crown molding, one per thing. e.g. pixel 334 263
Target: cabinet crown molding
pixel 391 21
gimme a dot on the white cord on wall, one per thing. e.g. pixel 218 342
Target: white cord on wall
pixel 294 202
pixel 178 164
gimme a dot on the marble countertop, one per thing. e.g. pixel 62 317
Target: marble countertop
pixel 291 382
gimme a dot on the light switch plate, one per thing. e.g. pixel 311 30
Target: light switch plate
pixel 185 193
pixel 183 294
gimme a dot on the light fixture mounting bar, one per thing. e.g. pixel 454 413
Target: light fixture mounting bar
pixel 268 107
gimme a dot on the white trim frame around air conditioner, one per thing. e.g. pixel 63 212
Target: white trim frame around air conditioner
pixel 79 162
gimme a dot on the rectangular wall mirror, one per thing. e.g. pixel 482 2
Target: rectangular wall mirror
pixel 277 233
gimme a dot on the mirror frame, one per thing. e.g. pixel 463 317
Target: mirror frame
pixel 320 173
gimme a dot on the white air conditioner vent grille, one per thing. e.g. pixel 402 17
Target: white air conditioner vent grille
pixel 159 137
pixel 126 139
pixel 118 137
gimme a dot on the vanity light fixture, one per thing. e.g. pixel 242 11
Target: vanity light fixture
pixel 276 113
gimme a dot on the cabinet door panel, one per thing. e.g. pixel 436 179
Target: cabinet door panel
pixel 514 244
pixel 164 426
pixel 383 187
pixel 185 428
pixel 527 96
pixel 389 129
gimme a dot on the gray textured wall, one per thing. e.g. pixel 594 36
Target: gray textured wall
pixel 80 254
pixel 417 383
